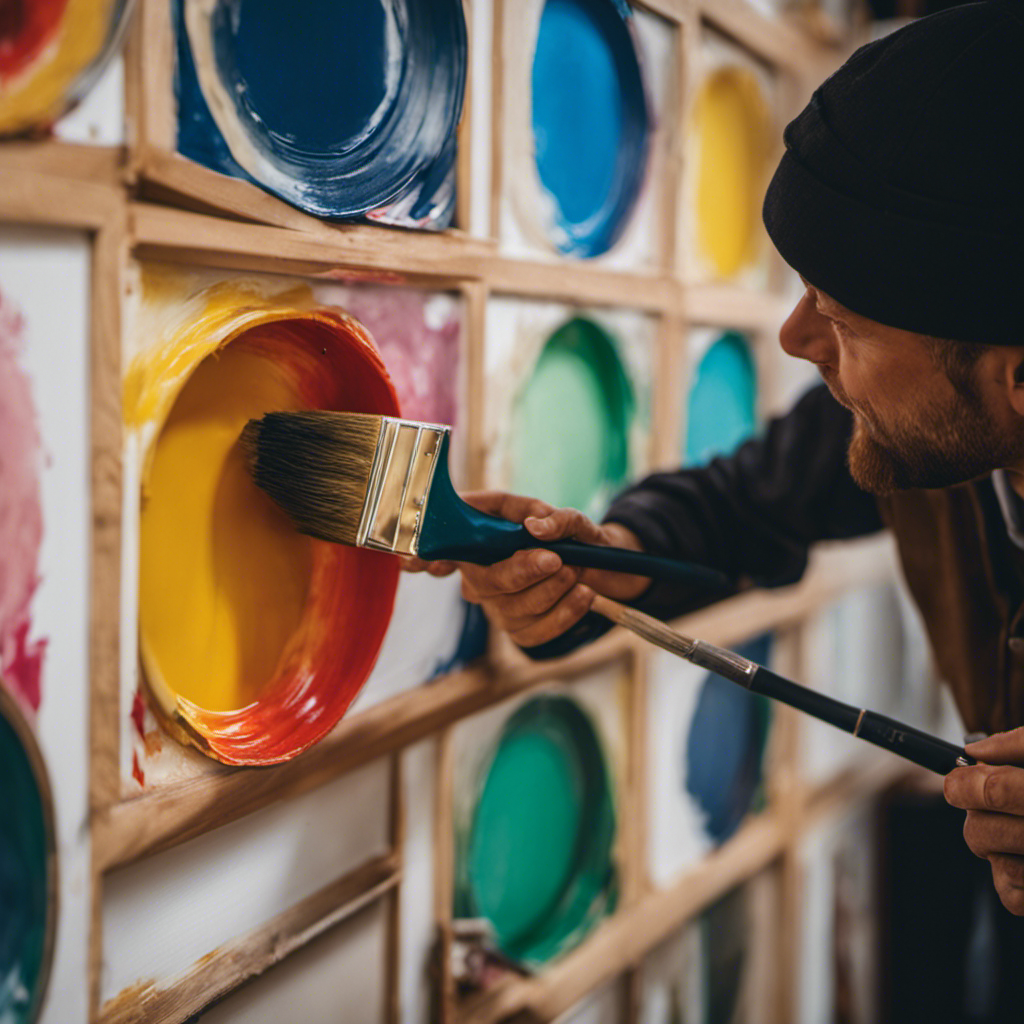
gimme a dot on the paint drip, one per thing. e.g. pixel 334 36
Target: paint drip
pixel 21 516
pixel 731 127
pixel 591 124
pixel 723 400
pixel 725 748
pixel 254 639
pixel 51 52
pixel 546 799
pixel 27 877
pixel 572 421
pixel 259 98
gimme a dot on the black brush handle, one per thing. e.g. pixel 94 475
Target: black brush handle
pixel 919 747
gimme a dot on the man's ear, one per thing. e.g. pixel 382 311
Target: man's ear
pixel 1015 375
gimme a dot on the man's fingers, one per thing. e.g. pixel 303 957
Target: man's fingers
pixel 513 507
pixel 1008 876
pixel 561 523
pixel 412 564
pixel 988 833
pixel 569 610
pixel 517 610
pixel 986 787
pixel 1001 748
pixel 522 570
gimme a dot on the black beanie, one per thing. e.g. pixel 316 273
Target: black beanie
pixel 901 191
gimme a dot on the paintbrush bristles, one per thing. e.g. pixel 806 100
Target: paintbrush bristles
pixel 316 466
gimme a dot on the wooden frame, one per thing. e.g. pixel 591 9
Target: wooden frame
pixel 234 225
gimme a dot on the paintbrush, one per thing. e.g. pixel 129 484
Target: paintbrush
pixel 383 483
pixel 923 749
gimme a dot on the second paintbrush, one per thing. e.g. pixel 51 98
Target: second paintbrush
pixel 383 483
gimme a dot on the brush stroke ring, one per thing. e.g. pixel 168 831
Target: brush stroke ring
pixel 339 109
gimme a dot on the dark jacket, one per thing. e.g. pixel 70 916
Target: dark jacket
pixel 755 514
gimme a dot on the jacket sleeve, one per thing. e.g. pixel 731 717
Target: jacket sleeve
pixel 753 514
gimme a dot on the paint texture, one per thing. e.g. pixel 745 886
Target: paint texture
pixel 537 859
pixel 342 109
pixel 21 516
pixel 731 125
pixel 572 421
pixel 27 870
pixel 51 51
pixel 591 126
pixel 254 640
pixel 723 400
pixel 725 748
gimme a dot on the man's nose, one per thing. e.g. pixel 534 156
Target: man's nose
pixel 807 334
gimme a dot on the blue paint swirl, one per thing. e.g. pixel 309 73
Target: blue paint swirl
pixel 352 107
pixel 591 124
pixel 723 400
pixel 725 746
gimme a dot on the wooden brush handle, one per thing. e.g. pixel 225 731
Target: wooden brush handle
pixel 921 748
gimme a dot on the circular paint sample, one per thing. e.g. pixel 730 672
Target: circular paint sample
pixel 590 122
pixel 732 128
pixel 725 748
pixel 537 861
pixel 27 870
pixel 723 400
pixel 255 639
pixel 338 108
pixel 572 421
pixel 51 52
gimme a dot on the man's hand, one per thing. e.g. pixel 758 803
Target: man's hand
pixel 531 595
pixel 993 796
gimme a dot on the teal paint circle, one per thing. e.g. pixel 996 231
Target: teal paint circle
pixel 27 872
pixel 537 857
pixel 572 421
pixel 721 410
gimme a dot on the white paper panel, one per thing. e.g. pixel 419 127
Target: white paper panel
pixel 99 118
pixel 602 1007
pixel 45 274
pixel 164 913
pixel 337 979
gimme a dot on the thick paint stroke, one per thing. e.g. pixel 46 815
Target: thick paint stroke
pixel 537 860
pixel 731 125
pixel 722 404
pixel 26 872
pixel 725 747
pixel 51 52
pixel 342 109
pixel 591 125
pixel 283 348
pixel 21 515
pixel 572 420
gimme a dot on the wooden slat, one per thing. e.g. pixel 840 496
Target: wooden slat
pixel 97 165
pixel 28 196
pixel 729 306
pixel 235 962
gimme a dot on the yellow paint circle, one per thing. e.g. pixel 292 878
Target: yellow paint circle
pixel 224 576
pixel 732 136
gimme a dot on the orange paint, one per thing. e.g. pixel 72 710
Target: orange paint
pixel 254 639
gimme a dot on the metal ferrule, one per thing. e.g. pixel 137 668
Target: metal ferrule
pixel 400 478
pixel 726 663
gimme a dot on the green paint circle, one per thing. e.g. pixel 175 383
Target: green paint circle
pixel 537 860
pixel 723 400
pixel 27 874
pixel 572 421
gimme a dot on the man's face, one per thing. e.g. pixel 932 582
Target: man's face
pixel 913 426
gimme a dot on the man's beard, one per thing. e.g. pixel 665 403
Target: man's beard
pixel 945 443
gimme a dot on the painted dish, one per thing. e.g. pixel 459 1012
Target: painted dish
pixel 572 420
pixel 51 53
pixel 254 640
pixel 591 122
pixel 28 869
pixel 537 860
pixel 732 136
pixel 725 748
pixel 341 109
pixel 723 400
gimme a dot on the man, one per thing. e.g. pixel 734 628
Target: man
pixel 899 200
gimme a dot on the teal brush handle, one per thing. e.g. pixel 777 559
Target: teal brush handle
pixel 455 531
